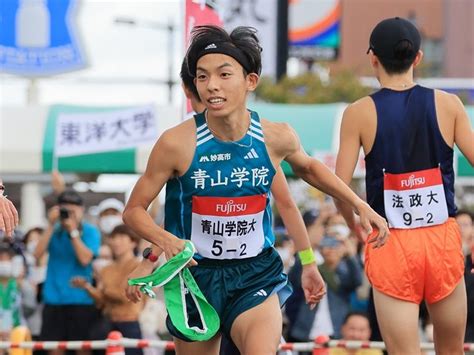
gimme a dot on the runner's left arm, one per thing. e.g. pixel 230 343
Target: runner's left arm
pixel 318 175
pixel 311 280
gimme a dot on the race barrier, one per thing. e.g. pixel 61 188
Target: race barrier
pixel 115 344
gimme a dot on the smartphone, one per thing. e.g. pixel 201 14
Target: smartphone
pixel 63 213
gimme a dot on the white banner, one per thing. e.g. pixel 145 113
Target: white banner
pixel 261 14
pixel 96 132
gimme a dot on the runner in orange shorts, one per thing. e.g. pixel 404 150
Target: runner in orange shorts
pixel 407 133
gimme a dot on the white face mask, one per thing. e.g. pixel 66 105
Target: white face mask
pixel 108 223
pixel 6 268
pixel 99 264
pixel 341 229
pixel 17 266
pixel 31 246
pixel 38 274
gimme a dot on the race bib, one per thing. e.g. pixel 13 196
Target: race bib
pixel 228 227
pixel 416 199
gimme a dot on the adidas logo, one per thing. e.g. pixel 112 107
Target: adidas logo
pixel 252 154
pixel 210 46
pixel 203 159
pixel 261 292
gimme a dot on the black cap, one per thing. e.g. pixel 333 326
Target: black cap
pixel 70 197
pixel 310 216
pixel 388 33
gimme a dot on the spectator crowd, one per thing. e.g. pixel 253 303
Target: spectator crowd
pixel 66 280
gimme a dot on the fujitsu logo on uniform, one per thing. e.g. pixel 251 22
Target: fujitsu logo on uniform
pixel 413 181
pixel 230 207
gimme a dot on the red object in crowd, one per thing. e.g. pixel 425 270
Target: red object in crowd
pixel 321 340
pixel 114 349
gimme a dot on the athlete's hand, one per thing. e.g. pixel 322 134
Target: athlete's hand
pixel 143 269
pixel 368 218
pixel 312 284
pixel 173 246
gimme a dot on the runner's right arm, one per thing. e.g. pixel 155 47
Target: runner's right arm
pixel 346 161
pixel 160 168
pixel 463 132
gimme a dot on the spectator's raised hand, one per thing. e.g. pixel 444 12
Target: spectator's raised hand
pixel 53 215
pixel 8 214
pixel 57 182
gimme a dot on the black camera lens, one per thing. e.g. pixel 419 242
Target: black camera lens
pixel 63 213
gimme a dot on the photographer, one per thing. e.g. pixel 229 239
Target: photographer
pixel 71 244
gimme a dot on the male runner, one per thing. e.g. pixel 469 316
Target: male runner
pixel 218 169
pixel 407 133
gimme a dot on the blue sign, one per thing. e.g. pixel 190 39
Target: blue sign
pixel 37 37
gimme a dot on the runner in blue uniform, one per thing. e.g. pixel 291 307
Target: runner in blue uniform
pixel 218 169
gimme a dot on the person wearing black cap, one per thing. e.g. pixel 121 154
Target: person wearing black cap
pixel 218 169
pixel 408 133
pixel 71 244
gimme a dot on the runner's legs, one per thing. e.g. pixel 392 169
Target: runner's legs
pixel 258 330
pixel 398 322
pixel 449 321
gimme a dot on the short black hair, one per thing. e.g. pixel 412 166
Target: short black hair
pixel 242 38
pixel 26 237
pixel 403 57
pixel 355 313
pixel 310 216
pixel 126 230
pixel 7 248
pixel 70 197
pixel 188 80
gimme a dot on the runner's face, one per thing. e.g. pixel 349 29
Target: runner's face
pixel 222 85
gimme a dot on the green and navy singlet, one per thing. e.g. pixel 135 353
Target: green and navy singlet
pixel 222 202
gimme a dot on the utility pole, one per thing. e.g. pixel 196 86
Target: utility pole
pixel 170 29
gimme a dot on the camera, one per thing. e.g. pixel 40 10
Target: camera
pixel 63 213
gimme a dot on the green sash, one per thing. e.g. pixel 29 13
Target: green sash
pixel 177 281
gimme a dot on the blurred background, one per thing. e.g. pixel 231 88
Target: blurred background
pixel 87 86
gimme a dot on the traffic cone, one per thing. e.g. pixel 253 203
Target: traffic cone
pixel 18 335
pixel 114 349
pixel 321 340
